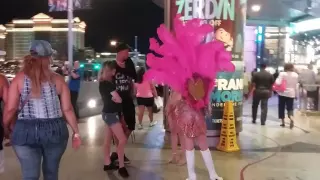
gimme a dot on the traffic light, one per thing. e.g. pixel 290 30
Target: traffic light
pixel 96 66
pixel 81 65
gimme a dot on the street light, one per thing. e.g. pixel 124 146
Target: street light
pixel 113 43
pixel 256 8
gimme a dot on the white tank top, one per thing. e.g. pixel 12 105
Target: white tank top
pixel 47 106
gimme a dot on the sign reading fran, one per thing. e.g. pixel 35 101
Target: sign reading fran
pixel 228 18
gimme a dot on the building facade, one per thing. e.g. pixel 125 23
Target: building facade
pixel 2 42
pixel 20 32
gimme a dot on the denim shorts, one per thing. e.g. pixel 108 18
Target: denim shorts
pixel 111 118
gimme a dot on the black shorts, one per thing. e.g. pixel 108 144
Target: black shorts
pixel 129 114
pixel 147 102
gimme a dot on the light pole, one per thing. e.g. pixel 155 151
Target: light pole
pixel 70 33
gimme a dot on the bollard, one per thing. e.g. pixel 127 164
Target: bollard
pixel 228 137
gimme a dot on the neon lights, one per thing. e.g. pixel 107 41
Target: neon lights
pixel 259 39
pixel 259 29
pixel 308 25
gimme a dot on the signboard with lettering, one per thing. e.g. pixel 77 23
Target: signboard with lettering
pixel 228 18
pixel 62 5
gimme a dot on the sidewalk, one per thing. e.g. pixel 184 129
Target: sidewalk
pixel 286 154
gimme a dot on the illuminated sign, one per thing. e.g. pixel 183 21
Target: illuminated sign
pixel 228 90
pixel 207 9
pixel 62 5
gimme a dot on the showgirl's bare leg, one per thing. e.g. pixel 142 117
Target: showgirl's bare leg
pixel 174 146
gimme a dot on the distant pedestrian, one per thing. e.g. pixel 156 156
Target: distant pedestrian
pixel 74 86
pixel 261 84
pixel 286 98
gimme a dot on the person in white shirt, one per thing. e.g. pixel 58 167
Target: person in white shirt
pixel 286 98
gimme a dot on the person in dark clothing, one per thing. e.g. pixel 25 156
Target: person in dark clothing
pixel 254 71
pixel 275 76
pixel 110 113
pixel 124 80
pixel 74 86
pixel 59 71
pixel 261 84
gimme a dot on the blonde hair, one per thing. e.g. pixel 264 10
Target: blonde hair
pixel 39 71
pixel 110 64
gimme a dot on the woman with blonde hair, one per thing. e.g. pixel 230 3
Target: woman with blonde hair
pixel 40 134
pixel 286 97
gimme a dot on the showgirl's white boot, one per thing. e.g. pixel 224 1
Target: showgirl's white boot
pixel 1 161
pixel 190 165
pixel 207 158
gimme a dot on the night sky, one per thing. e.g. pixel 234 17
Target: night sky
pixel 107 20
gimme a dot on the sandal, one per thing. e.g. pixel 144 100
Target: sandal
pixel 182 159
pixel 174 159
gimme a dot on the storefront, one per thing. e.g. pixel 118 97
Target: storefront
pixel 303 44
pixel 2 55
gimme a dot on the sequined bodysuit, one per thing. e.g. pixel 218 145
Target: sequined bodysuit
pixel 184 118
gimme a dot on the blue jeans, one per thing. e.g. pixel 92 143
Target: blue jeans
pixel 40 140
pixel 30 160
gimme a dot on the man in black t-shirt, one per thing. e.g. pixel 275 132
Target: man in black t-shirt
pixel 124 79
pixel 262 84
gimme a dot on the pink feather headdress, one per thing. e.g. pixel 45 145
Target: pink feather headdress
pixel 187 64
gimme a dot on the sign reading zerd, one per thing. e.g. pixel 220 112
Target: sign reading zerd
pixel 206 9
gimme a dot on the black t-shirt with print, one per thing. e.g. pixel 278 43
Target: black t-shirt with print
pixel 105 89
pixel 124 78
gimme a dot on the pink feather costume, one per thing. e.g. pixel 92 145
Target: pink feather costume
pixel 184 58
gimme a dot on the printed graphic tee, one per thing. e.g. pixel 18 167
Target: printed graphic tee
pixel 124 78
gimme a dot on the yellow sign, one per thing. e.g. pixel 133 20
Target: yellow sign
pixel 228 136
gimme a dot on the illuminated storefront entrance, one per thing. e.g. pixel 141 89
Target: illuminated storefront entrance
pixel 303 44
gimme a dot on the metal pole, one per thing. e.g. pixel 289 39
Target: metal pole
pixel 136 43
pixel 167 22
pixel 70 33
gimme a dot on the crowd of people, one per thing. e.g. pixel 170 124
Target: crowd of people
pixel 38 105
pixel 289 85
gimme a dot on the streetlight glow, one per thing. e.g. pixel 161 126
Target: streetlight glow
pixel 255 8
pixel 113 43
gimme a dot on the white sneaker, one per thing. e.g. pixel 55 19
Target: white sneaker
pixel 1 162
pixel 140 126
pixel 153 123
